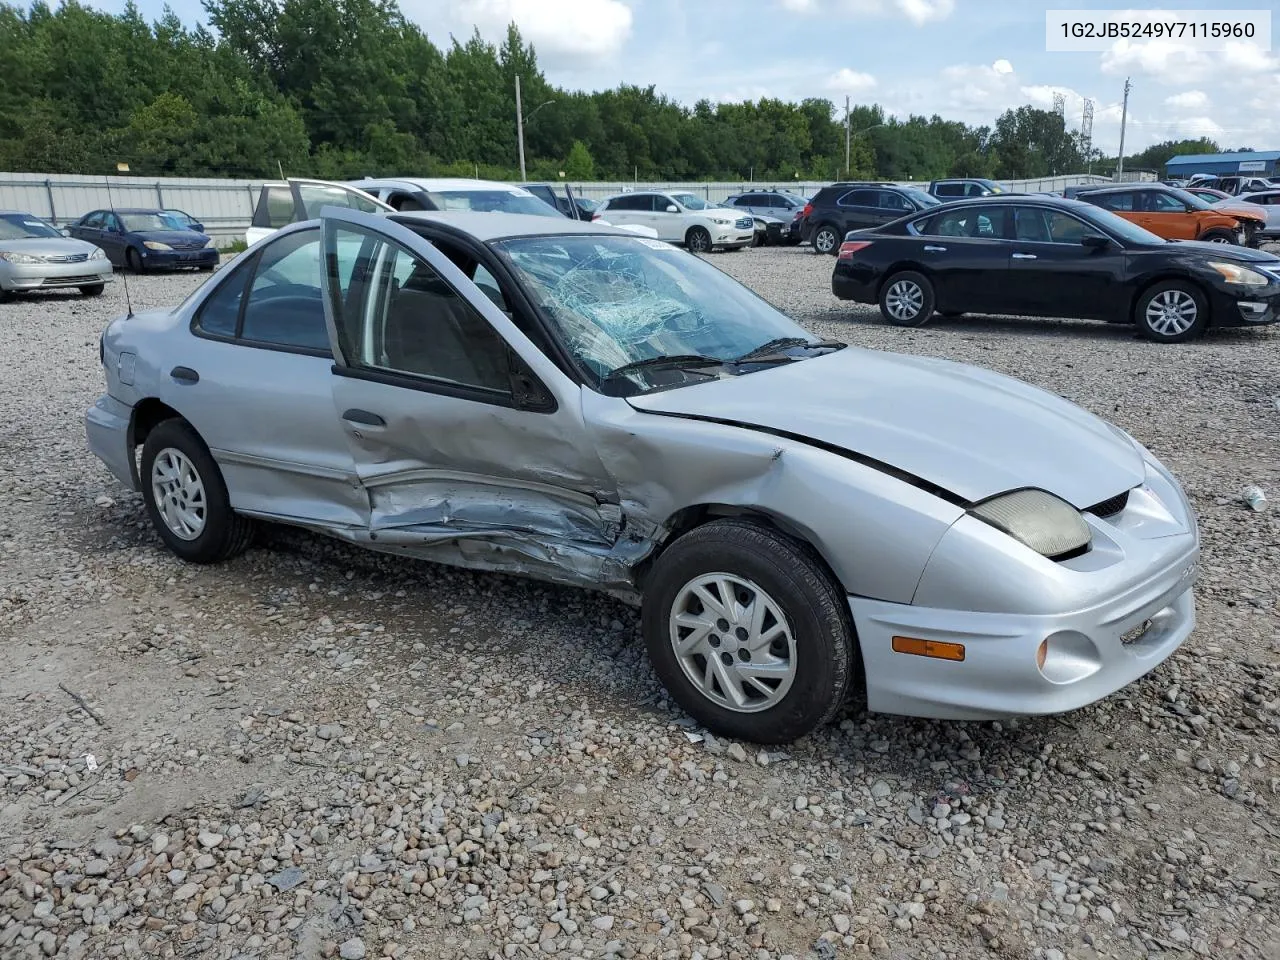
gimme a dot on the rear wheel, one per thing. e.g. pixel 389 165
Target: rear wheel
pixel 1171 311
pixel 186 497
pixel 93 289
pixel 825 239
pixel 698 240
pixel 749 632
pixel 906 299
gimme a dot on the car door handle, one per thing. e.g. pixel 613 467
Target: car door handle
pixel 185 374
pixel 365 417
pixel 1024 256
pixel 931 248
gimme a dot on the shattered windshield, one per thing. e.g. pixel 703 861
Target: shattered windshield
pixel 692 201
pixel 618 301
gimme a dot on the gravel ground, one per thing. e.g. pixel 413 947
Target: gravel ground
pixel 314 751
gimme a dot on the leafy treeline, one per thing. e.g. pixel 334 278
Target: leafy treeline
pixel 342 88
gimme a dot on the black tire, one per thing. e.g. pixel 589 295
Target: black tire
pixel 1173 296
pixel 1219 235
pixel 225 533
pixel 813 606
pixel 903 291
pixel 133 260
pixel 698 240
pixel 93 289
pixel 206 267
pixel 826 239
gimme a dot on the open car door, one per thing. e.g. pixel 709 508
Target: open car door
pixel 298 199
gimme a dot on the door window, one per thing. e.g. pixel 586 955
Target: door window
pixel 1036 225
pixel 315 196
pixel 861 198
pixel 888 200
pixel 981 222
pixel 949 190
pixel 1164 203
pixel 275 209
pixel 219 315
pixel 285 306
pixel 396 315
pixel 94 221
pixel 111 222
pixel 406 201
pixel 1120 202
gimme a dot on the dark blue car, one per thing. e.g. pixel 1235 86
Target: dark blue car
pixel 143 239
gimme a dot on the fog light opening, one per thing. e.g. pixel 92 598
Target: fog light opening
pixel 935 649
pixel 1042 654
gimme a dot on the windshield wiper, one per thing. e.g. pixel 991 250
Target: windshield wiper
pixel 770 351
pixel 672 360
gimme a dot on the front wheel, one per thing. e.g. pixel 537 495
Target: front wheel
pixel 698 240
pixel 133 260
pixel 825 239
pixel 906 299
pixel 186 497
pixel 1219 236
pixel 1171 312
pixel 749 632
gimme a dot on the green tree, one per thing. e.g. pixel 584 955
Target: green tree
pixel 579 165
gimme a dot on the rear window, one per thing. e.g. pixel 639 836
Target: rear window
pixel 948 190
pixel 275 208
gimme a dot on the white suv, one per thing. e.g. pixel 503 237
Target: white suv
pixel 681 218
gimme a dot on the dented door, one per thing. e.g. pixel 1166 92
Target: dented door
pixel 462 462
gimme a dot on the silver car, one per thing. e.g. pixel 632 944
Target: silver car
pixel 1269 201
pixel 798 520
pixel 35 255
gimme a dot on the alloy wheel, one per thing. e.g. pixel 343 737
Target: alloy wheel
pixel 733 642
pixel 904 300
pixel 825 241
pixel 1172 312
pixel 179 493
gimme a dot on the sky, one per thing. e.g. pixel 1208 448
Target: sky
pixel 965 60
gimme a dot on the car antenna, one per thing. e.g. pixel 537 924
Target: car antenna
pixel 124 273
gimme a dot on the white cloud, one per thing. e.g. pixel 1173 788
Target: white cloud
pixel 1192 127
pixel 562 31
pixel 850 82
pixel 1179 64
pixel 1188 100
pixel 1002 66
pixel 918 12
pixel 922 11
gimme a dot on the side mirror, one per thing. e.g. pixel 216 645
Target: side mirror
pixel 527 390
pixel 672 208
pixel 1095 241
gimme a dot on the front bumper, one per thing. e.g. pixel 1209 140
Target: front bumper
pixel 1234 306
pixel 206 256
pixel 52 276
pixel 999 677
pixel 732 236
pixel 106 426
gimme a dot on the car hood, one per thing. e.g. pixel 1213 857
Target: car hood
pixel 1225 251
pixel 1240 208
pixel 48 246
pixel 970 431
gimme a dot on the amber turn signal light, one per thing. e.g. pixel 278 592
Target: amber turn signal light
pixel 1042 654
pixel 929 648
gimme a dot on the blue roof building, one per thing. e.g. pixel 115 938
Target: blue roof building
pixel 1263 163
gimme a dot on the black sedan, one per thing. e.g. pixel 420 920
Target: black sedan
pixel 1052 257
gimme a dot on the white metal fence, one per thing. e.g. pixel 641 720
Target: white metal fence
pixel 225 207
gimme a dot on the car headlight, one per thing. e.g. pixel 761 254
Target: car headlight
pixel 1234 273
pixel 15 257
pixel 1048 525
pixel 98 254
pixel 156 245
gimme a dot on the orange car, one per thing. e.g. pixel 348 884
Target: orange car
pixel 1177 215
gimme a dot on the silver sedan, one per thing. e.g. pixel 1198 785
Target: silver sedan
pixel 34 255
pixel 800 521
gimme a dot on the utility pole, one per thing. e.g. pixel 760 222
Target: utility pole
pixel 520 126
pixel 847 127
pixel 1124 116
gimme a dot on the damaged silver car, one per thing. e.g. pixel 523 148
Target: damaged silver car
pixel 799 520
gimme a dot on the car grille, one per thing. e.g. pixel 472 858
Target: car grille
pixel 68 258
pixel 1111 506
pixel 745 223
pixel 187 244
pixel 69 281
